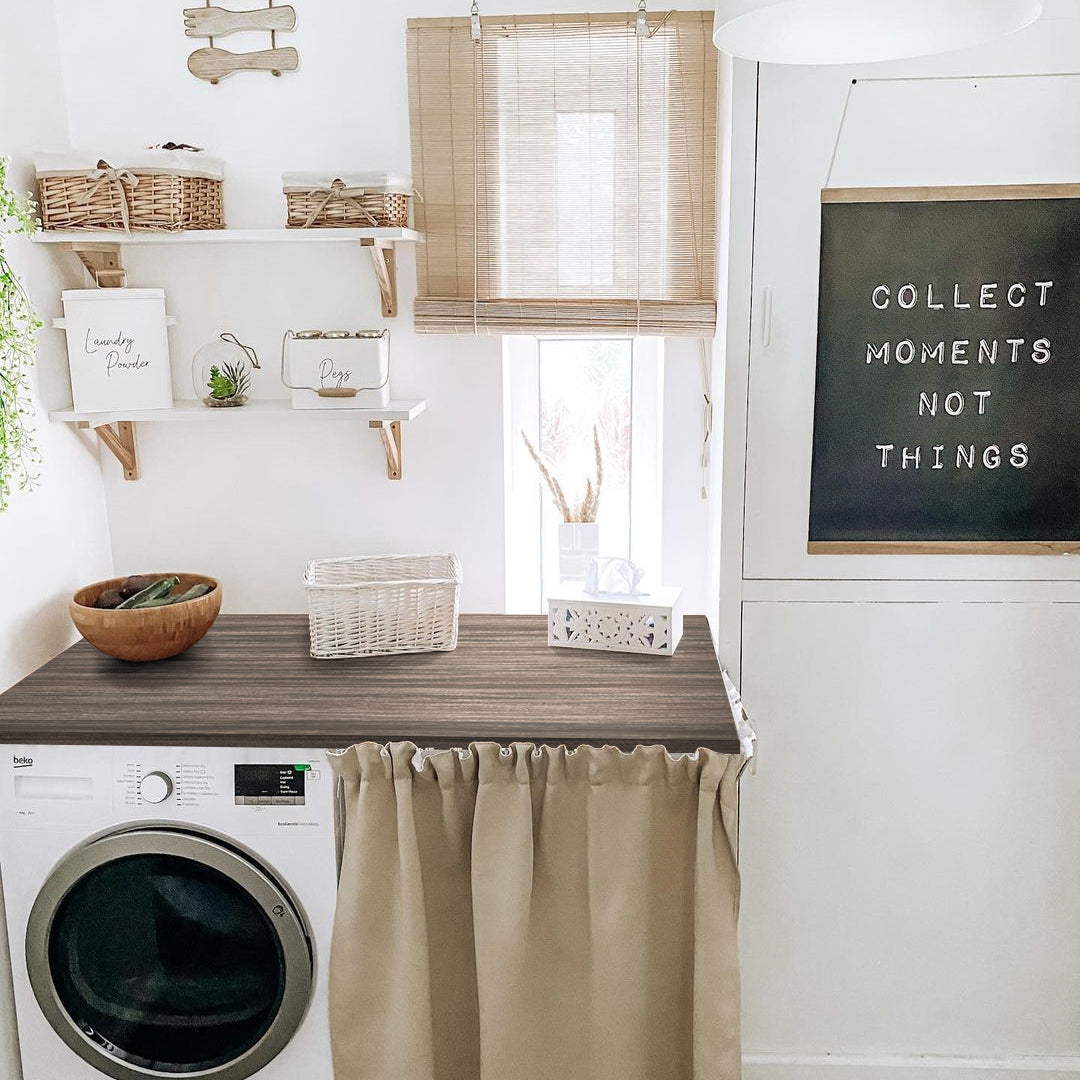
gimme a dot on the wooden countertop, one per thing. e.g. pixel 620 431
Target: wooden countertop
pixel 251 682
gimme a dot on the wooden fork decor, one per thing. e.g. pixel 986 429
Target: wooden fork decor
pixel 217 22
pixel 215 64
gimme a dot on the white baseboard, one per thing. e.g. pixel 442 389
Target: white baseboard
pixel 758 1065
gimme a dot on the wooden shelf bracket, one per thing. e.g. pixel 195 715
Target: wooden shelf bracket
pixel 390 433
pixel 121 443
pixel 103 262
pixel 384 262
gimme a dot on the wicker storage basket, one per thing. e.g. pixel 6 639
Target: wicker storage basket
pixel 349 201
pixel 151 191
pixel 379 604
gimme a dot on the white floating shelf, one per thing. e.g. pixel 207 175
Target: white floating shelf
pixel 101 250
pixel 196 410
pixel 227 236
pixel 117 429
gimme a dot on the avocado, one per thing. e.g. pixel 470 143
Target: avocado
pixel 135 583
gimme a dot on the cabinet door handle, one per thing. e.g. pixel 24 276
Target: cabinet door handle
pixel 766 317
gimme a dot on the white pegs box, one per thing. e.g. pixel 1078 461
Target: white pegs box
pixel 337 369
pixel 118 349
pixel 650 623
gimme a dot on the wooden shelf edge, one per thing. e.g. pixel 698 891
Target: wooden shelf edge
pixel 228 236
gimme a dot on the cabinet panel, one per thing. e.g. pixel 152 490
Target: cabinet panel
pixel 945 131
pixel 911 841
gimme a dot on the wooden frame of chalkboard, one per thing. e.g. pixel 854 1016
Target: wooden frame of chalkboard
pixel 942 424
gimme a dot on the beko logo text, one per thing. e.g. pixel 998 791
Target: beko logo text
pixel 22 762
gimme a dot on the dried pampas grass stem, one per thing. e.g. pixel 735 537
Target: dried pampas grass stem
pixel 553 485
pixel 587 509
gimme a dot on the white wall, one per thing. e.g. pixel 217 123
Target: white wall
pixel 910 848
pixel 56 538
pixel 253 501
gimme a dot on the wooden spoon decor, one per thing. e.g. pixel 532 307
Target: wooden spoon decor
pixel 214 64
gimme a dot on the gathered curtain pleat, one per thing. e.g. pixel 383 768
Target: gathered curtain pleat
pixel 529 913
pixel 567 171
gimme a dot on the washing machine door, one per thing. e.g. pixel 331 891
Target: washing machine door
pixel 164 952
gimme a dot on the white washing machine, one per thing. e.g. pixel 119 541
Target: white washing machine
pixel 169 910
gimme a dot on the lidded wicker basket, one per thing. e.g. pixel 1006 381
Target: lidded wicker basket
pixel 377 605
pixel 347 201
pixel 147 191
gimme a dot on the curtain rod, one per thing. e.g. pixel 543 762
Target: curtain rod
pixel 625 17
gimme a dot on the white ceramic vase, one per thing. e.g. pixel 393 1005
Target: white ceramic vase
pixel 579 541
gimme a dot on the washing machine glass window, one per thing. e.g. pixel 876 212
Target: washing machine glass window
pixel 170 953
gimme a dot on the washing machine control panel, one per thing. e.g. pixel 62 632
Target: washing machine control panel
pixel 269 785
pixel 181 781
pixel 155 787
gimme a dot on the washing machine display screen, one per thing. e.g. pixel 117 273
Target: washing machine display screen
pixel 269 785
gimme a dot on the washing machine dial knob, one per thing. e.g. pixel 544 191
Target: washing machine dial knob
pixel 155 787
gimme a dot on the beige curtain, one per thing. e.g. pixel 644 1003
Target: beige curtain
pixel 567 168
pixel 536 914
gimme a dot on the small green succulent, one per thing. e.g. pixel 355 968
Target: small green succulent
pixel 227 381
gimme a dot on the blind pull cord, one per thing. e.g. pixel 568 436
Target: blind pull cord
pixel 641 21
pixel 707 417
pixel 478 68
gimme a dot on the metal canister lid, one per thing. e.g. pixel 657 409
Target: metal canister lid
pixel 337 335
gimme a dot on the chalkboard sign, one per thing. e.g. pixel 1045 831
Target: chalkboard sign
pixel 947 409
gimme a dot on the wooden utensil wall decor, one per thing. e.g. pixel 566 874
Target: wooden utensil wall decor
pixel 947 409
pixel 214 64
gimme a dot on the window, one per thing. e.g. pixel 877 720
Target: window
pixel 568 174
pixel 557 389
pixel 585 202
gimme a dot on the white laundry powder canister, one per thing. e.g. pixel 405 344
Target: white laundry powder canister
pixel 118 349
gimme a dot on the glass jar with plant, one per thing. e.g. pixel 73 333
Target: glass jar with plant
pixel 221 372
pixel 19 325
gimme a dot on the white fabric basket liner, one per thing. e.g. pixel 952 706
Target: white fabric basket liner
pixel 186 162
pixel 392 182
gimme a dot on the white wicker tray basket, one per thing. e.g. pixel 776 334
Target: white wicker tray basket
pixel 380 604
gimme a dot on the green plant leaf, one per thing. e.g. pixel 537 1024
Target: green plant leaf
pixel 220 384
pixel 19 324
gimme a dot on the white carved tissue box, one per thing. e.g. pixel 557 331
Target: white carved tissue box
pixel 650 623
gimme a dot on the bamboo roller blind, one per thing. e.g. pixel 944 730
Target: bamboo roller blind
pixel 567 170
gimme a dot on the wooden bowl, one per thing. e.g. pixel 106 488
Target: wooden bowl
pixel 147 633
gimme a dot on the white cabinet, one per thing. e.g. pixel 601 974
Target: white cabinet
pixel 952 131
pixel 910 845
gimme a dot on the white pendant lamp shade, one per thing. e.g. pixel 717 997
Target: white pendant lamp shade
pixel 862 31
